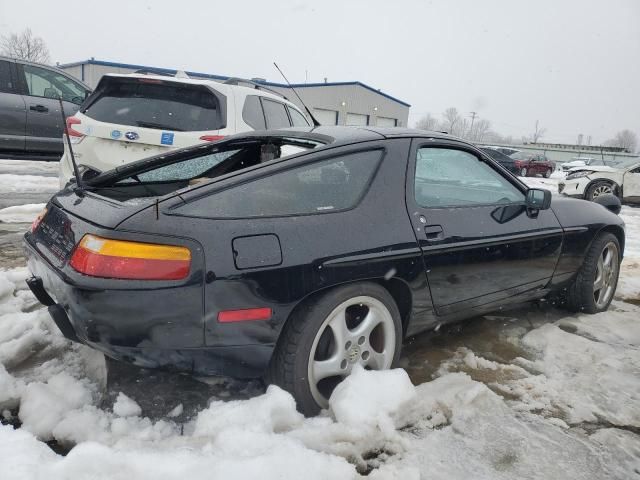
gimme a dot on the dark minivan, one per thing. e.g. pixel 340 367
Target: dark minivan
pixel 30 120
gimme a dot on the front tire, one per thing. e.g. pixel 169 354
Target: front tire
pixel 523 172
pixel 597 279
pixel 326 337
pixel 599 188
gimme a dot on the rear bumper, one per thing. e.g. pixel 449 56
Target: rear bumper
pixel 153 328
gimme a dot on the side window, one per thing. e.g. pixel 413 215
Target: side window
pixel 49 84
pixel 297 118
pixel 252 113
pixel 7 83
pixel 275 114
pixel 322 187
pixel 185 170
pixel 447 177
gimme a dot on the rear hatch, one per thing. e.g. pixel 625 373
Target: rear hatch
pixel 132 117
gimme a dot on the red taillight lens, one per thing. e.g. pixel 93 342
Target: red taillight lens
pixel 247 314
pixel 103 257
pixel 69 130
pixel 38 219
pixel 211 138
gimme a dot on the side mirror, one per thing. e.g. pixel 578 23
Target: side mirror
pixel 538 199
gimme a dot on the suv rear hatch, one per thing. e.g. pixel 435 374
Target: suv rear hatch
pixel 128 118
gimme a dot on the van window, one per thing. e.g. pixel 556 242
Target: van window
pixel 275 114
pixel 252 113
pixel 42 82
pixel 7 84
pixel 297 118
pixel 151 103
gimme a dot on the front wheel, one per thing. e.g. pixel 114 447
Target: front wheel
pixel 324 339
pixel 523 172
pixel 598 189
pixel 596 282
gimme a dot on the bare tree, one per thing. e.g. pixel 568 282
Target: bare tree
pixel 538 133
pixel 451 120
pixel 625 139
pixel 25 46
pixel 480 130
pixel 428 122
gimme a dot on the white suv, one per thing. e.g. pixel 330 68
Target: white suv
pixel 129 117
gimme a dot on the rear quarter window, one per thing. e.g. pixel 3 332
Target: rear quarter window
pixel 149 103
pixel 321 187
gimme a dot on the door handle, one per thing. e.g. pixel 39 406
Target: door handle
pixel 433 232
pixel 39 108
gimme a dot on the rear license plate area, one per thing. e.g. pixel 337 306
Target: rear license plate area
pixel 56 235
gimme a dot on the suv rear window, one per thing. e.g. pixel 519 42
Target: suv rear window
pixel 151 103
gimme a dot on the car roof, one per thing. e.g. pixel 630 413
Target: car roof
pixel 221 87
pixel 337 134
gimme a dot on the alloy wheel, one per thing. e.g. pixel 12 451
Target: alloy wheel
pixel 606 275
pixel 359 331
pixel 601 190
pixel 523 172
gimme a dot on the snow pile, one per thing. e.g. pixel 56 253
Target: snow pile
pixel 21 213
pixel 126 407
pixel 10 183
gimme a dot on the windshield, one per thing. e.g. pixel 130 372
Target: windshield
pixel 156 104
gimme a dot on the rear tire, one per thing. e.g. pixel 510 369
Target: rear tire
pixel 314 354
pixel 596 282
pixel 523 172
pixel 547 173
pixel 599 188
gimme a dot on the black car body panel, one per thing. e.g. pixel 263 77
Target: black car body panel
pixel 439 264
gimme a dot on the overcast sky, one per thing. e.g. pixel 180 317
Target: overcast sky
pixel 572 65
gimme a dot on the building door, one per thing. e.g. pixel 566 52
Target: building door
pixel 357 119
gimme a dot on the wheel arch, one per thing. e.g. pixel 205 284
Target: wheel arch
pixel 396 287
pixel 616 230
pixel 616 188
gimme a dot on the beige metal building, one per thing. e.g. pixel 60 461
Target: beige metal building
pixel 332 103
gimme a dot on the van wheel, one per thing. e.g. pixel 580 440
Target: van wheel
pixel 597 279
pixel 523 172
pixel 325 338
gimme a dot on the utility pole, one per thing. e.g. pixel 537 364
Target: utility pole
pixel 473 119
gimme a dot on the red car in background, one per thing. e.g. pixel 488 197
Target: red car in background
pixel 532 164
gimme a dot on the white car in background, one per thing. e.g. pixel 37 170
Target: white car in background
pixel 133 116
pixel 621 178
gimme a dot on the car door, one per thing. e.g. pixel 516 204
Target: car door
pixel 42 87
pixel 479 242
pixel 631 185
pixel 13 116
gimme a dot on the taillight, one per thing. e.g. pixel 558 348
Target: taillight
pixel 244 315
pixel 70 131
pixel 211 138
pixel 107 258
pixel 38 219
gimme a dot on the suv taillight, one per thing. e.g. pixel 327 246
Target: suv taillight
pixel 211 138
pixel 74 135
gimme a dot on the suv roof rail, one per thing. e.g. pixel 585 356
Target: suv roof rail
pixel 151 71
pixel 256 85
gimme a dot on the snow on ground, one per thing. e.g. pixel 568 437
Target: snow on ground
pixel 21 213
pixel 565 405
pixel 10 183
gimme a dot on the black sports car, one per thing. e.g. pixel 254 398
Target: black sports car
pixel 296 254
